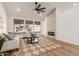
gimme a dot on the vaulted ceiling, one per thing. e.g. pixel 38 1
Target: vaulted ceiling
pixel 27 8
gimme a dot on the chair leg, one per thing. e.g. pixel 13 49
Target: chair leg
pixel 17 49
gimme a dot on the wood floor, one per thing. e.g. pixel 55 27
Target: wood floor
pixel 67 49
pixel 46 47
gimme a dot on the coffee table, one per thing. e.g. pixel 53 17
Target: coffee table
pixel 29 39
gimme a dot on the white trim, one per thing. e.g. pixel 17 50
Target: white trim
pixel 70 42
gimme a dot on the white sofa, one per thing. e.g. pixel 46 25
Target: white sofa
pixel 10 45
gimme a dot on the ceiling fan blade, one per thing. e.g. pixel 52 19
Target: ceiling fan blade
pixel 42 8
pixel 38 12
pixel 42 11
pixel 38 6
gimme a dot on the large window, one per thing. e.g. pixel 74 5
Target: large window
pixel 18 25
pixel 36 26
pixel 21 26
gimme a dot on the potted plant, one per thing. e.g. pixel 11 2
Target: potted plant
pixel 2 40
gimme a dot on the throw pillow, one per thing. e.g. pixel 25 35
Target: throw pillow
pixel 7 36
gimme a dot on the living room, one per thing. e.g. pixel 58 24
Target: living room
pixel 39 28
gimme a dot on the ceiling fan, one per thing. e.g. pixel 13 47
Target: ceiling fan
pixel 39 8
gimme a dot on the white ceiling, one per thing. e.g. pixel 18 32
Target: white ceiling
pixel 27 8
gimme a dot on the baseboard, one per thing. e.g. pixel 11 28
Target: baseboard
pixel 68 42
pixel 54 37
pixel 65 42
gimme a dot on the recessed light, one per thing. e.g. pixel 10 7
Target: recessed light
pixel 18 9
pixel 75 4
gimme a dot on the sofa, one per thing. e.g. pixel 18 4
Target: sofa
pixel 10 44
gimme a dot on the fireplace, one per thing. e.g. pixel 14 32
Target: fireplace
pixel 51 33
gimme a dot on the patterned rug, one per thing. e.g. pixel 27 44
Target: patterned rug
pixel 43 48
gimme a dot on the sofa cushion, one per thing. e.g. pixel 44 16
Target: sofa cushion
pixel 11 35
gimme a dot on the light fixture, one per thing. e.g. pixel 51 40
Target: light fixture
pixel 40 14
pixel 34 12
pixel 18 9
pixel 75 4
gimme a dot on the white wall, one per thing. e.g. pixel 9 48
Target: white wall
pixel 67 25
pixel 48 24
pixel 4 18
pixel 51 22
pixel 10 24
pixel 44 27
